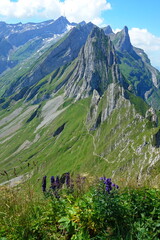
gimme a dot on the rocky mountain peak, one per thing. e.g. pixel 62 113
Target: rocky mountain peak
pixel 108 30
pixel 125 30
pixel 123 42
pixel 96 66
pixel 62 20
pixel 96 32
pixel 82 23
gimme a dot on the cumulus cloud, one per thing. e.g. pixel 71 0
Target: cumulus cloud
pixel 90 10
pixel 74 10
pixel 29 8
pixel 150 43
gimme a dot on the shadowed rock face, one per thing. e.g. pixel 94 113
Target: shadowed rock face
pixel 156 139
pixel 122 42
pixel 136 68
pixel 96 67
pixel 108 30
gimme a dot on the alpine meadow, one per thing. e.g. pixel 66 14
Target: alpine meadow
pixel 79 134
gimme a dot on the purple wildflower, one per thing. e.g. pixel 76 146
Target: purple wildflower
pixel 52 180
pixel 108 184
pixel 57 182
pixel 44 183
pixel 68 179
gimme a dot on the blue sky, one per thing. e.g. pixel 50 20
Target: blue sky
pixel 141 16
pixel 135 13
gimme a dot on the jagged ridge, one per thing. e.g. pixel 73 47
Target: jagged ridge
pixel 96 67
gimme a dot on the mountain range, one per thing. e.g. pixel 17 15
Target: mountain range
pixel 76 98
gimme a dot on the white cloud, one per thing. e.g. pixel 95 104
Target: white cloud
pixel 116 30
pixel 148 42
pixel 74 10
pixel 90 10
pixel 30 8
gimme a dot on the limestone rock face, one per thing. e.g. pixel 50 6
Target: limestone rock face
pixel 122 43
pixel 112 99
pixel 96 67
pixel 92 115
pixel 152 116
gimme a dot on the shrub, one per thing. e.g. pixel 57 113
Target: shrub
pixel 103 211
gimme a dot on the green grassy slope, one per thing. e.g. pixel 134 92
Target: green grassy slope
pixel 121 147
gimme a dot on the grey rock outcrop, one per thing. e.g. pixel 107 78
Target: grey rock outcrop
pixel 112 98
pixel 152 116
pixel 92 115
pixel 122 42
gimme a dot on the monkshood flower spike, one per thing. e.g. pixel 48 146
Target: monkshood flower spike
pixel 52 180
pixel 44 183
pixel 108 184
pixel 57 182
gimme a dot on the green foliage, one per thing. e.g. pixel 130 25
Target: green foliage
pixel 92 214
pixel 139 104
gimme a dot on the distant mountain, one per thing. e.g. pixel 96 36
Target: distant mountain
pixel 80 99
pixel 65 51
pixel 19 39
pixel 19 34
